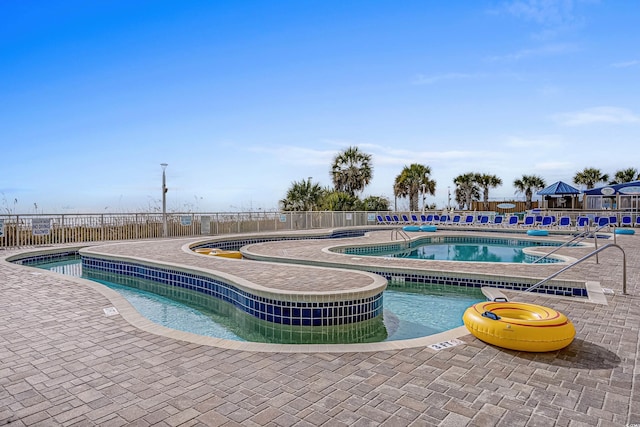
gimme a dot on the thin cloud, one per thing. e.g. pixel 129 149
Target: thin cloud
pixel 547 50
pixel 612 115
pixel 554 166
pixel 544 12
pixel 428 80
pixel 625 64
pixel 544 141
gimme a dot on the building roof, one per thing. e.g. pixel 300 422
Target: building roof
pixel 558 188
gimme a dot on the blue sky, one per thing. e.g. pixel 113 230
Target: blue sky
pixel 241 98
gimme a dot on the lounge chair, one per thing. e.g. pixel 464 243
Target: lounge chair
pixel 497 220
pixel 564 222
pixel 380 219
pixel 513 221
pixel 468 220
pixel 456 220
pixel 638 220
pixel 529 221
pixel 582 221
pixel 626 221
pixel 484 219
pixel 547 221
pixel 405 219
pixel 613 221
pixel 424 219
pixel 414 219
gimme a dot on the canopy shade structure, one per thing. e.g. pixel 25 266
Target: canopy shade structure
pixel 558 189
pixel 625 196
pixel 613 189
pixel 555 195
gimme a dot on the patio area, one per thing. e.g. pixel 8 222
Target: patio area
pixel 64 362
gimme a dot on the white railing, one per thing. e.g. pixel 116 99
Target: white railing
pixel 19 230
pixel 41 229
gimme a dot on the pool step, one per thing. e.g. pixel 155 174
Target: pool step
pixel 494 294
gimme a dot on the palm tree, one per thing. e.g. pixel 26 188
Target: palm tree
pixel 590 177
pixel 486 181
pixel 339 201
pixel 374 203
pixel 411 181
pixel 302 196
pixel 626 175
pixel 351 171
pixel 466 185
pixel 527 185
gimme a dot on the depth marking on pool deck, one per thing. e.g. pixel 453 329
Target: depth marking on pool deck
pixel 445 344
pixel 110 311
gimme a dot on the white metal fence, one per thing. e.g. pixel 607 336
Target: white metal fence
pixel 41 229
pixel 18 230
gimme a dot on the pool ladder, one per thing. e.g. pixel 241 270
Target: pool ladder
pixel 397 233
pixel 589 255
pixel 580 237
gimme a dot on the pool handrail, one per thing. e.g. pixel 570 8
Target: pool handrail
pixel 589 255
pixel 580 236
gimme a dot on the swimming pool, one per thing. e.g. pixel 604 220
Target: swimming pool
pixel 409 312
pixel 457 248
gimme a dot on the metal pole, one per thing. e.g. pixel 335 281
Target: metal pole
pixel 164 199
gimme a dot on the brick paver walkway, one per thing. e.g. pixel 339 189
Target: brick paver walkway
pixel 63 362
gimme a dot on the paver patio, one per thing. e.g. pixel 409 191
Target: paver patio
pixel 64 362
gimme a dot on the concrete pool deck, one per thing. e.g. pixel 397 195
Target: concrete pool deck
pixel 65 362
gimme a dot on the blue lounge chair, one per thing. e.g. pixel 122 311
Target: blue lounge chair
pixel 613 221
pixel 638 220
pixel 497 220
pixel 405 219
pixel 582 221
pixel 484 219
pixel 564 222
pixel 468 220
pixel 388 219
pixel 423 219
pixel 513 221
pixel 547 221
pixel 529 221
pixel 380 219
pixel 414 219
pixel 626 221
pixel 456 220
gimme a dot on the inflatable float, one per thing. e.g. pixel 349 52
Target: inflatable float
pixel 624 231
pixel 519 326
pixel 219 252
pixel 411 228
pixel 429 228
pixel 537 232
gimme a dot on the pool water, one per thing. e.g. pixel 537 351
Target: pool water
pixel 468 253
pixel 410 312
pixel 463 249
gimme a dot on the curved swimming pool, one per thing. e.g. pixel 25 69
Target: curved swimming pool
pixel 409 312
pixel 457 248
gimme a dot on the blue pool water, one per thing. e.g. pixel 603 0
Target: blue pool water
pixel 460 249
pixel 410 312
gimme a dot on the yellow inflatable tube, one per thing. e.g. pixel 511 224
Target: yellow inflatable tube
pixel 519 326
pixel 219 252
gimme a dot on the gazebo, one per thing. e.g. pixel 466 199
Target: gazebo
pixel 556 195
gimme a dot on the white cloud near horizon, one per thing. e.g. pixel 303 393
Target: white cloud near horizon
pixel 626 64
pixel 611 115
pixel 544 141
